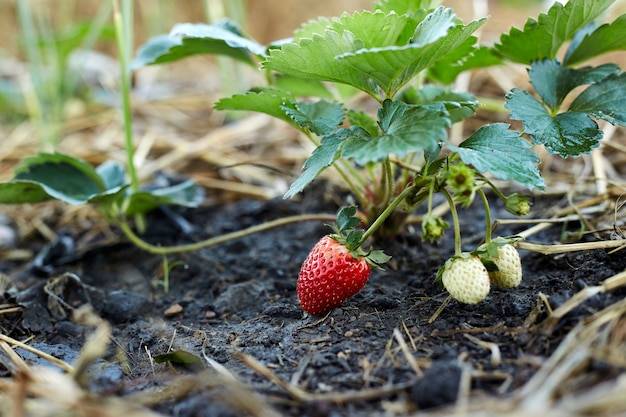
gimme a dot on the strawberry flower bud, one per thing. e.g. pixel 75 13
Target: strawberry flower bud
pixel 433 228
pixel 517 204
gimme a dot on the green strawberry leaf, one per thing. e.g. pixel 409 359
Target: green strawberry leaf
pixel 405 6
pixel 406 128
pixel 597 41
pixel 65 178
pixel 466 57
pixel 496 149
pixel 74 181
pixel 366 42
pixel 270 101
pixel 542 38
pixel 299 87
pixel 315 59
pixel 415 10
pixel 375 29
pixel 363 120
pixel 309 29
pixel 430 155
pixel 22 192
pixel 393 66
pixel 186 39
pixel 458 105
pixel 346 219
pixel 113 175
pixel 323 156
pixel 62 177
pixel 392 29
pixel 567 134
pixel 490 265
pixel 352 240
pixel 434 26
pixel 553 82
pixel 604 100
pixel 321 117
pixel 185 194
pixel 376 258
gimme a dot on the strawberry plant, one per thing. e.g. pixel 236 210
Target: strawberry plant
pixel 401 59
pixel 405 55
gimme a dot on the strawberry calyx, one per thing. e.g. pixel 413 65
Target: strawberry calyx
pixel 488 252
pixel 465 278
pixel 517 204
pixel 461 180
pixel 433 228
pixel 448 265
pixel 502 262
pixel 346 233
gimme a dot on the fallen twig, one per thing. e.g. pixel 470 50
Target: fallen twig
pixel 569 247
pixel 332 397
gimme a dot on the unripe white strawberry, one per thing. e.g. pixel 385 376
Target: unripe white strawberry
pixel 509 273
pixel 466 278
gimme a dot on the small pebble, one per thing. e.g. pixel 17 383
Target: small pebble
pixel 173 310
pixel 125 306
pixel 8 234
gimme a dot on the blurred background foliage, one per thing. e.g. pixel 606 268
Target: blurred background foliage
pixel 64 45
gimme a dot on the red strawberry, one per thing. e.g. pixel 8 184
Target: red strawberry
pixel 330 275
pixel 337 267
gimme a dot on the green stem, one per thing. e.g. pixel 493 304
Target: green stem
pixel 431 193
pixel 495 189
pixel 166 275
pixel 455 222
pixel 381 218
pixel 388 181
pixel 352 171
pixel 232 77
pixel 344 169
pixel 123 35
pixel 35 97
pixel 166 250
pixel 487 215
pixel 493 105
pixel 353 187
pixel 122 46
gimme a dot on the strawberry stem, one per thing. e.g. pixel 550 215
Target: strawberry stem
pixel 216 240
pixel 387 181
pixel 487 215
pixel 455 222
pixel 341 169
pixel 382 216
pixel 495 189
pixel 431 192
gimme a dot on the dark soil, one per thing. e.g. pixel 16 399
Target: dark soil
pixel 240 297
